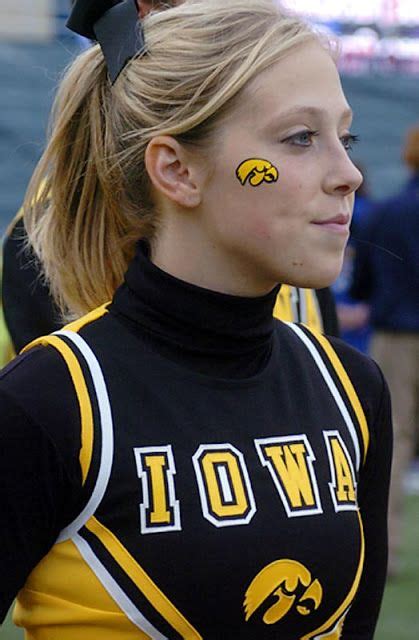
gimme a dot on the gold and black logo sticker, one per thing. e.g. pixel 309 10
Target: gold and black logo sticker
pixel 257 171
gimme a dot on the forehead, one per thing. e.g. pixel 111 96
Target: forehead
pixel 305 79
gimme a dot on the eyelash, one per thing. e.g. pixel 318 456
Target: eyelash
pixel 347 140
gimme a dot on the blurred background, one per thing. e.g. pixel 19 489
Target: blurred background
pixel 379 42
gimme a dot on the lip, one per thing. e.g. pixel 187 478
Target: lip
pixel 339 223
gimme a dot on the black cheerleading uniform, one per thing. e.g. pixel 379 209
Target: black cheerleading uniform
pixel 193 468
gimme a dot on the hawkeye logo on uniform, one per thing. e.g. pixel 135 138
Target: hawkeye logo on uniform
pixel 292 585
pixel 295 589
pixel 225 487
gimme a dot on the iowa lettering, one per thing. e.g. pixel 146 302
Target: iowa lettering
pixel 225 487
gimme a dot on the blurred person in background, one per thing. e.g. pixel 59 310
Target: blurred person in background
pixel 28 307
pixel 386 276
pixel 353 315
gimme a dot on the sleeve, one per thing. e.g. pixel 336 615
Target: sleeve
pixel 28 308
pixel 373 492
pixel 39 472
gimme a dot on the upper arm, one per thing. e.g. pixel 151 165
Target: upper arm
pixel 31 488
pixel 39 468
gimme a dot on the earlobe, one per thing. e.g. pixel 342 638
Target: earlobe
pixel 172 171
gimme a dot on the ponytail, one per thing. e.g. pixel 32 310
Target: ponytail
pixel 78 219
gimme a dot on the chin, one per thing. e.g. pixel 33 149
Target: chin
pixel 317 277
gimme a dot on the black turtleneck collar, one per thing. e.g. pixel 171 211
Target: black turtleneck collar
pixel 210 332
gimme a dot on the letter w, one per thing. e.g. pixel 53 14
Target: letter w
pixel 289 460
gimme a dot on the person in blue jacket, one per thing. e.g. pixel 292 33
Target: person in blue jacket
pixel 386 275
pixel 353 315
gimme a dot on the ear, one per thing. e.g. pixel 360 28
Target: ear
pixel 173 171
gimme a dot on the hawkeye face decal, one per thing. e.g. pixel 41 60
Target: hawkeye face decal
pixel 292 585
pixel 256 171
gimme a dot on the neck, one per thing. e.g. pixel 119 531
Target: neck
pixel 182 252
pixel 207 330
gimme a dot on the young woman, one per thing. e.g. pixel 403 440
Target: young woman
pixel 178 464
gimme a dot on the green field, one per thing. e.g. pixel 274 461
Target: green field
pixel 399 618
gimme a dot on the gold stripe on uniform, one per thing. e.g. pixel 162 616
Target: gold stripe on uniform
pixel 349 389
pixel 83 397
pixel 78 324
pixel 86 435
pixel 144 583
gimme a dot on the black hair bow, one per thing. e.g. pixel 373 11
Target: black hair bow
pixel 115 25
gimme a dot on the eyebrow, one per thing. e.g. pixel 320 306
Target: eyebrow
pixel 312 111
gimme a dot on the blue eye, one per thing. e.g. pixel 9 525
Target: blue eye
pixel 302 138
pixel 349 141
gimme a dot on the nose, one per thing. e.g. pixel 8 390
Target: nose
pixel 343 177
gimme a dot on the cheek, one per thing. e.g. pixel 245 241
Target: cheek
pixel 300 186
pixel 298 183
pixel 268 207
pixel 261 230
pixel 257 210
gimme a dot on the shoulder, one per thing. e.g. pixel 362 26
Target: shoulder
pixel 31 388
pixel 373 393
pixel 364 373
pixel 40 380
pixel 362 370
pixel 32 368
pixel 91 323
pixel 38 386
pixel 357 375
pixel 367 392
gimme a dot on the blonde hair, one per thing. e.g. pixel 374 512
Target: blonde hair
pixel 89 200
